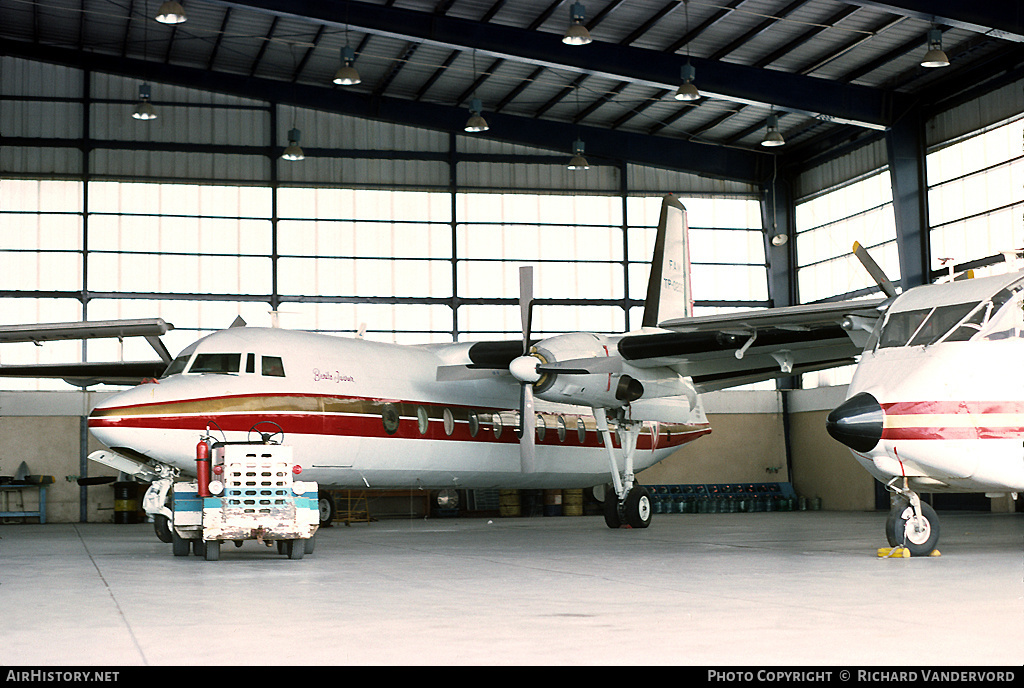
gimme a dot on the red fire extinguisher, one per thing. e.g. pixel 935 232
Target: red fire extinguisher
pixel 203 468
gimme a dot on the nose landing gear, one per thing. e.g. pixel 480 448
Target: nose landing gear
pixel 912 524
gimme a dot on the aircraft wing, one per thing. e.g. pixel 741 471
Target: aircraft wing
pixel 84 374
pixel 150 328
pixel 726 350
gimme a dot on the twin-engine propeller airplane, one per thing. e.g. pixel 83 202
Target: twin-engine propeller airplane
pixel 936 403
pixel 566 411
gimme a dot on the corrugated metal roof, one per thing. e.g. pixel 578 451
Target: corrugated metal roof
pixel 267 51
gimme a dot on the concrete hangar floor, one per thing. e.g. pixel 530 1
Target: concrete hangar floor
pixel 782 588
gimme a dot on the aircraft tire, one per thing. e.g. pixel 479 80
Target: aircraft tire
pixel 896 532
pixel 326 506
pixel 611 509
pixel 179 545
pixel 212 552
pixel 637 507
pixel 162 528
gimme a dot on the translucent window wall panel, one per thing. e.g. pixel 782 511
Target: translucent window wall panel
pixel 179 238
pixel 976 197
pixel 573 242
pixel 41 239
pixel 407 323
pixel 365 243
pixel 827 226
pixel 363 204
pixel 19 311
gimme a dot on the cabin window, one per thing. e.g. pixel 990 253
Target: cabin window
pixel 390 418
pixel 216 363
pixel 560 424
pixel 250 363
pixel 497 425
pixel 474 423
pixel 449 422
pixel 541 428
pixel 422 420
pixel 272 366
pixel 581 430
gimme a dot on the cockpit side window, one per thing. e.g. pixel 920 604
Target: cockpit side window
pixel 1005 319
pixel 272 366
pixel 216 363
pixel 177 365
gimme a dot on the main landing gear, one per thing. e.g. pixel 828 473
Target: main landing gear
pixel 912 524
pixel 627 503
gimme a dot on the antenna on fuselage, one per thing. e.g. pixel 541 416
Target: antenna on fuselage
pixel 237 322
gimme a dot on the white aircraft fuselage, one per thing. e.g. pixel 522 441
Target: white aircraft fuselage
pixel 938 395
pixel 365 414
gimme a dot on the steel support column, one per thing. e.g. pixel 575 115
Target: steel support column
pixel 905 144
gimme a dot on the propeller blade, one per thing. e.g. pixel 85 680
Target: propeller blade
pixel 526 303
pixel 98 480
pixel 872 267
pixel 527 430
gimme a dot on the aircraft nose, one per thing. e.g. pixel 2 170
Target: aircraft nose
pixel 857 422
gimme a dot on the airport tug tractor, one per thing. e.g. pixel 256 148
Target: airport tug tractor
pixel 244 491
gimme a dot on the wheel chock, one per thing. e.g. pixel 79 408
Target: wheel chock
pixel 900 553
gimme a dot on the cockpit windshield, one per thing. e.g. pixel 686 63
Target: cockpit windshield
pixel 957 322
pixel 216 363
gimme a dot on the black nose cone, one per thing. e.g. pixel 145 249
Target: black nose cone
pixel 857 422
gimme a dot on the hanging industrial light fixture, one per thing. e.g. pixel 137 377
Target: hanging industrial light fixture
pixel 687 91
pixel 935 57
pixel 577 34
pixel 171 13
pixel 476 122
pixel 773 137
pixel 144 110
pixel 293 151
pixel 578 162
pixel 347 74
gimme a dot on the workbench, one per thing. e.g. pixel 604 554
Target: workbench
pixel 5 494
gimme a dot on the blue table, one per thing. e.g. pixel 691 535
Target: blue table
pixel 6 490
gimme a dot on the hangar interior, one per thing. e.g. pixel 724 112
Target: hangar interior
pixel 215 168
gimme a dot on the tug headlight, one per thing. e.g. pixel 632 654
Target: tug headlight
pixel 216 487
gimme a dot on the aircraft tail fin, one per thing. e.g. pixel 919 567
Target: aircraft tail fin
pixel 668 289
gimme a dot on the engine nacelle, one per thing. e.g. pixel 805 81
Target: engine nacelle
pixel 604 390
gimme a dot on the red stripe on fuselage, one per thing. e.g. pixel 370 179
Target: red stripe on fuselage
pixel 979 413
pixel 903 408
pixel 356 424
